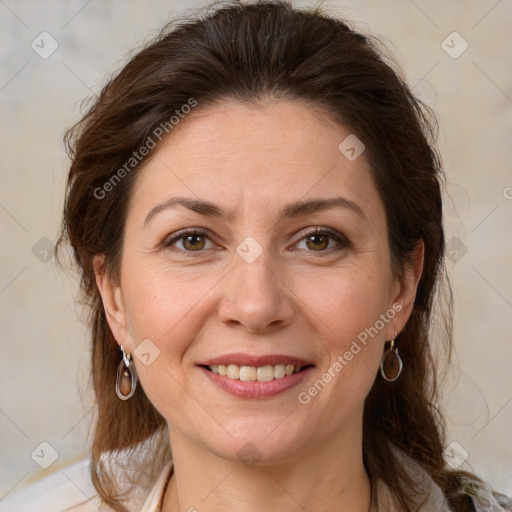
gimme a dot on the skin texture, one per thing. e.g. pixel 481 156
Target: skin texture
pixel 295 298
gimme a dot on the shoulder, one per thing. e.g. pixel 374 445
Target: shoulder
pixel 484 497
pixel 68 488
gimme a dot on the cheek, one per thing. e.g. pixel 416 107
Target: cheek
pixel 163 305
pixel 350 307
pixel 346 302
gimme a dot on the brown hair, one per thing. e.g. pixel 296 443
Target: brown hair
pixel 248 52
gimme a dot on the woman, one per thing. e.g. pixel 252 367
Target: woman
pixel 254 204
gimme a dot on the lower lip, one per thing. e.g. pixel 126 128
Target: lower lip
pixel 255 389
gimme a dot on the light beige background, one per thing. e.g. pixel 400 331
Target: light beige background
pixel 44 346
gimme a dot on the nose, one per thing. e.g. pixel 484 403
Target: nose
pixel 256 296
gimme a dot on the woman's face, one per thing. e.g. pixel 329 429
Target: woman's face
pixel 257 286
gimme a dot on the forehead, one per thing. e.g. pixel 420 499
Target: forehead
pixel 264 155
pixel 230 131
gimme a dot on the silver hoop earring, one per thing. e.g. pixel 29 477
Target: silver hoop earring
pixel 126 380
pixel 391 363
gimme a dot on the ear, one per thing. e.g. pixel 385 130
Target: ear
pixel 404 292
pixel 113 303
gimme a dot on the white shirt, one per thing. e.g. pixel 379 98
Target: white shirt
pixel 153 502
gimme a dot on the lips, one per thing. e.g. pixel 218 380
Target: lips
pixel 256 389
pixel 249 376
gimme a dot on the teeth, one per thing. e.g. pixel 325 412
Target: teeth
pixel 265 373
pixel 260 373
pixel 247 373
pixel 233 371
pixel 279 371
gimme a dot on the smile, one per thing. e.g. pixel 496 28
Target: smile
pixel 255 373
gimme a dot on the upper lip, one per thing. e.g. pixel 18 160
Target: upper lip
pixel 251 360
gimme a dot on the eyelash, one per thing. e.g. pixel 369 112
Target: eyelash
pixel 342 241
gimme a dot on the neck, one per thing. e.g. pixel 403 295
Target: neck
pixel 330 476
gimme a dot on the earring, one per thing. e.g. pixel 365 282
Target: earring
pixel 391 363
pixel 126 380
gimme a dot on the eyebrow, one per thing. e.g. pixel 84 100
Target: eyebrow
pixel 295 209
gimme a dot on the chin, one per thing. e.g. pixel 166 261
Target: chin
pixel 270 439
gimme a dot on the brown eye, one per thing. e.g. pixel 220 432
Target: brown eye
pixel 317 242
pixel 191 240
pixel 319 239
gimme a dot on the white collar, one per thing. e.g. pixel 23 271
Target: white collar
pixel 154 500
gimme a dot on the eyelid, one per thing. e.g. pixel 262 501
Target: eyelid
pixel 341 239
pixel 180 235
